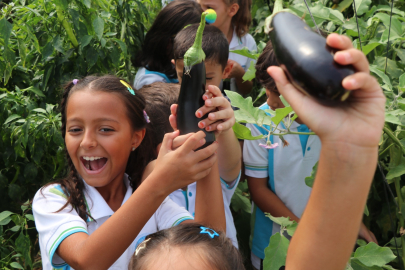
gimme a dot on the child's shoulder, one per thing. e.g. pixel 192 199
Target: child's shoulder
pixel 52 190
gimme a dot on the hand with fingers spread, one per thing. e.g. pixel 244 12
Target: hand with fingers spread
pixel 184 165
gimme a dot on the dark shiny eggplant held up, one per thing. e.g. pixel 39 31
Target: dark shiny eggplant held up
pixel 307 60
pixel 190 100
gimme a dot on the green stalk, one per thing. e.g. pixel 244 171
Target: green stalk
pixel 393 138
pixel 195 53
pixel 66 25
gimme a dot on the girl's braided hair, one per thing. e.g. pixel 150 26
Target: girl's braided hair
pixel 73 185
pixel 217 252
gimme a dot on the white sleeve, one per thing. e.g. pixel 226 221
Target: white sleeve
pixel 251 45
pixel 169 214
pixel 54 226
pixel 255 157
pixel 228 189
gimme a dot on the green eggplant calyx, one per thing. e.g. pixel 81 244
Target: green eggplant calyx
pixel 195 54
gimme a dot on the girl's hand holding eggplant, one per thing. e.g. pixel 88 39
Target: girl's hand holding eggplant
pixel 220 118
pixel 357 122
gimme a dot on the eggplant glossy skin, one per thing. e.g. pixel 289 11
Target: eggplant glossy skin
pixel 190 100
pixel 307 60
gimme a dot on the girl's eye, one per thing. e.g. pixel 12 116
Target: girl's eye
pixel 74 130
pixel 106 129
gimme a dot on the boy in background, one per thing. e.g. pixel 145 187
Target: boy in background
pixel 276 177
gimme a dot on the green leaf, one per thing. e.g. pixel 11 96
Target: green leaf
pixel 98 25
pixel 22 49
pixel 381 74
pixel 243 133
pixel 27 29
pixel 285 223
pixel 362 6
pixel 123 46
pixel 247 113
pixel 245 52
pixel 29 217
pixel 240 202
pixel 276 253
pixel 16 265
pixel 84 41
pixel 22 244
pixel 357 265
pixel 40 110
pixel 344 5
pixel 250 74
pixel 366 212
pixel 4 215
pixel 47 51
pixel 309 181
pixel 281 114
pixel 374 255
pixel 396 171
pixel 361 242
pixel 91 57
pixel 396 27
pixel 369 47
pixel 11 118
pixel 30 171
pixel 402 81
pixel 5 30
pixel 34 90
pixel 16 228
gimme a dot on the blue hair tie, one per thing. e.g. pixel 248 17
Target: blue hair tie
pixel 209 231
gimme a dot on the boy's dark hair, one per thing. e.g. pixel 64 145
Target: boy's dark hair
pixel 73 185
pixel 218 252
pixel 157 53
pixel 266 59
pixel 242 19
pixel 214 44
pixel 159 97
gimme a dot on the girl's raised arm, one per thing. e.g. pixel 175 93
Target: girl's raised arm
pixel 349 134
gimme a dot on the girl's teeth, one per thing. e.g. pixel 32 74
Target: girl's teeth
pixel 91 158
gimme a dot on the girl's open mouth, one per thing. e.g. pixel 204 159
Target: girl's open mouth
pixel 93 165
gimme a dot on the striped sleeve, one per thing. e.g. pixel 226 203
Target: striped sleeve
pixel 169 214
pixel 255 157
pixel 54 226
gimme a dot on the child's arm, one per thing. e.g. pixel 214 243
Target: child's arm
pixel 237 72
pixel 220 121
pixel 266 200
pixel 174 169
pixel 349 134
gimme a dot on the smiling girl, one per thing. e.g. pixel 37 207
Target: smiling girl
pixel 94 218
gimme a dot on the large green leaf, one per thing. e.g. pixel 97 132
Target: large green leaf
pixel 243 133
pixel 396 171
pixel 374 255
pixel 309 181
pixel 250 74
pixel 281 114
pixel 245 52
pixel 98 25
pixel 381 74
pixel 5 30
pixel 276 253
pixel 396 27
pixel 362 6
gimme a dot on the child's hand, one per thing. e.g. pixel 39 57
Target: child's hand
pixel 221 116
pixel 366 234
pixel 184 166
pixel 237 70
pixel 359 122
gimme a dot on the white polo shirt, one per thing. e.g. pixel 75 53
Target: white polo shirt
pixel 187 198
pixel 53 227
pixel 238 44
pixel 286 169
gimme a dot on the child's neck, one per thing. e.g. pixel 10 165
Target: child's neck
pixel 113 193
pixel 227 29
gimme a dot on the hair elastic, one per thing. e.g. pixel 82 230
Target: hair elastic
pixel 141 246
pixel 146 117
pixel 128 87
pixel 209 231
pixel 75 81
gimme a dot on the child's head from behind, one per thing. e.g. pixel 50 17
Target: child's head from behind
pixel 159 97
pixel 157 48
pixel 103 127
pixel 215 47
pixel 235 11
pixel 187 246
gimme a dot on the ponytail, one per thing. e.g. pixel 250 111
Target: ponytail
pixel 243 18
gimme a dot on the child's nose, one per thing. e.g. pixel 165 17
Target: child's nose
pixel 89 141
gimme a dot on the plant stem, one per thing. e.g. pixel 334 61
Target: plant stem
pixel 393 138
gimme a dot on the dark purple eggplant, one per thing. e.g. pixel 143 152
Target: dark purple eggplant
pixel 190 100
pixel 307 60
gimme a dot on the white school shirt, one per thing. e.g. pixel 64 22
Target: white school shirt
pixel 286 169
pixel 53 227
pixel 187 198
pixel 238 44
pixel 145 77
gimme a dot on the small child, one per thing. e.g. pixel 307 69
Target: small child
pixel 276 177
pixel 233 19
pixel 215 47
pixel 187 246
pixel 159 96
pixel 154 58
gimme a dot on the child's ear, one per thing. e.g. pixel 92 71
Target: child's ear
pixel 137 138
pixel 233 9
pixel 227 70
pixel 173 62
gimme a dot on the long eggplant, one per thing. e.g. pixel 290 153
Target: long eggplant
pixel 307 60
pixel 193 86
